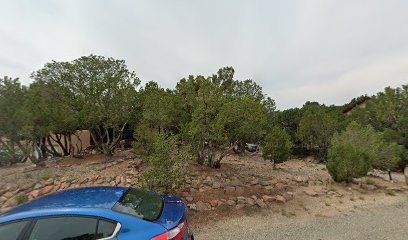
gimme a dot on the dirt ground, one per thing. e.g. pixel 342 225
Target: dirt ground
pixel 314 194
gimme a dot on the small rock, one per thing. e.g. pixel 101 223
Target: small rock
pixel 34 193
pixel 201 206
pixel 231 202
pixel 251 201
pixel 280 186
pixel 216 185
pixel 235 183
pixel 267 198
pixel 239 206
pixel 46 190
pixel 49 182
pixel 310 192
pixel 254 182
pixel 368 187
pixel 189 198
pixel 214 203
pixel 229 189
pixel 280 199
pixel 260 203
pixel 192 206
pixel 288 196
pixel 117 180
pixel 11 187
pixel 241 200
pixel 27 186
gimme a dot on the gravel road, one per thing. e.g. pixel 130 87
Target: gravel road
pixel 380 222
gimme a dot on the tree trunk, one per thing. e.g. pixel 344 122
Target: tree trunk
pixel 63 146
pixel 54 151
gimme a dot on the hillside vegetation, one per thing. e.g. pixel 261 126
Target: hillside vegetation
pixel 198 120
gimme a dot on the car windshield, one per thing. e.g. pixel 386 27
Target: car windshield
pixel 141 204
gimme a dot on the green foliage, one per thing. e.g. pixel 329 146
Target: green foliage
pixel 9 154
pixel 346 161
pixel 247 88
pixel 21 199
pixel 47 175
pixel 367 145
pixel 277 146
pixel 243 120
pixel 315 130
pixel 12 97
pixel 168 164
pixel 387 112
pixel 99 91
pixel 144 138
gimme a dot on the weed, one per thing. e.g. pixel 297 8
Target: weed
pixel 21 199
pixel 287 214
pixel 390 192
pixel 46 175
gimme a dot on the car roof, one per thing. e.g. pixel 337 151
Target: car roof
pixel 79 198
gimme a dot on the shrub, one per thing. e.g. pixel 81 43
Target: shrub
pixel 9 154
pixel 346 161
pixel 21 199
pixel 362 142
pixel 315 131
pixel 46 175
pixel 168 164
pixel 144 139
pixel 277 146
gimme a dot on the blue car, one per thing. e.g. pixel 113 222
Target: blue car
pixel 91 213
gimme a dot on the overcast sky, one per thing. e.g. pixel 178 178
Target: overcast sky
pixel 326 51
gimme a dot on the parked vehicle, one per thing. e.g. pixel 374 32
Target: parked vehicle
pixel 116 213
pixel 251 147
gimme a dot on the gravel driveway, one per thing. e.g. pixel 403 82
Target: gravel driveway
pixel 381 222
